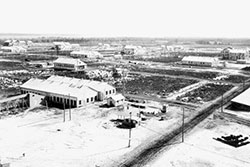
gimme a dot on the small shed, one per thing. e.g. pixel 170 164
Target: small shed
pixel 115 100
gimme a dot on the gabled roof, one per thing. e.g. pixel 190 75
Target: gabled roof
pixel 75 82
pixel 66 86
pixel 59 87
pixel 199 59
pixel 63 60
pixel 86 52
pixel 117 97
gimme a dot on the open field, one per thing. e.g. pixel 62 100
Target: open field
pixel 155 85
pixel 10 66
pixel 236 78
pixel 205 93
pixel 162 59
pixel 187 73
pixel 201 150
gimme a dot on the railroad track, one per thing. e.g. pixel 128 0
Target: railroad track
pixel 142 157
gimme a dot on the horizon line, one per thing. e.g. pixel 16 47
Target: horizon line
pixel 37 35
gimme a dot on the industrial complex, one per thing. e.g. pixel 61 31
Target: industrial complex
pixel 113 102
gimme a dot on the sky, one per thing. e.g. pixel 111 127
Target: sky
pixel 127 18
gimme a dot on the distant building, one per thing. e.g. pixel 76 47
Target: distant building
pixel 241 102
pixel 63 46
pixel 14 42
pixel 108 52
pixel 13 49
pixel 69 64
pixel 129 49
pixel 75 46
pixel 200 61
pixel 174 48
pixel 71 92
pixel 86 54
pixel 230 53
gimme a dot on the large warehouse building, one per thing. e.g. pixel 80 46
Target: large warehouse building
pixel 200 61
pixel 69 91
pixel 242 101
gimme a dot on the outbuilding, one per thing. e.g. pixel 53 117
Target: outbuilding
pixel 115 100
pixel 69 64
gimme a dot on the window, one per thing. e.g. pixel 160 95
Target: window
pixel 113 90
pixel 92 99
pixel 106 92
pixel 110 92
pixel 87 100
pixel 80 102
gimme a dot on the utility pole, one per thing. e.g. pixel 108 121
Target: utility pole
pixel 69 108
pixel 47 105
pixel 123 82
pixel 182 129
pixel 130 128
pixel 222 103
pixel 64 110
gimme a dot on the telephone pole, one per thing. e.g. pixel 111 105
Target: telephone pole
pixel 222 103
pixel 130 129
pixel 69 108
pixel 182 129
pixel 64 110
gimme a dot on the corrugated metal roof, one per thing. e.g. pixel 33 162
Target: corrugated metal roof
pixel 75 82
pixel 243 98
pixel 79 88
pixel 57 87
